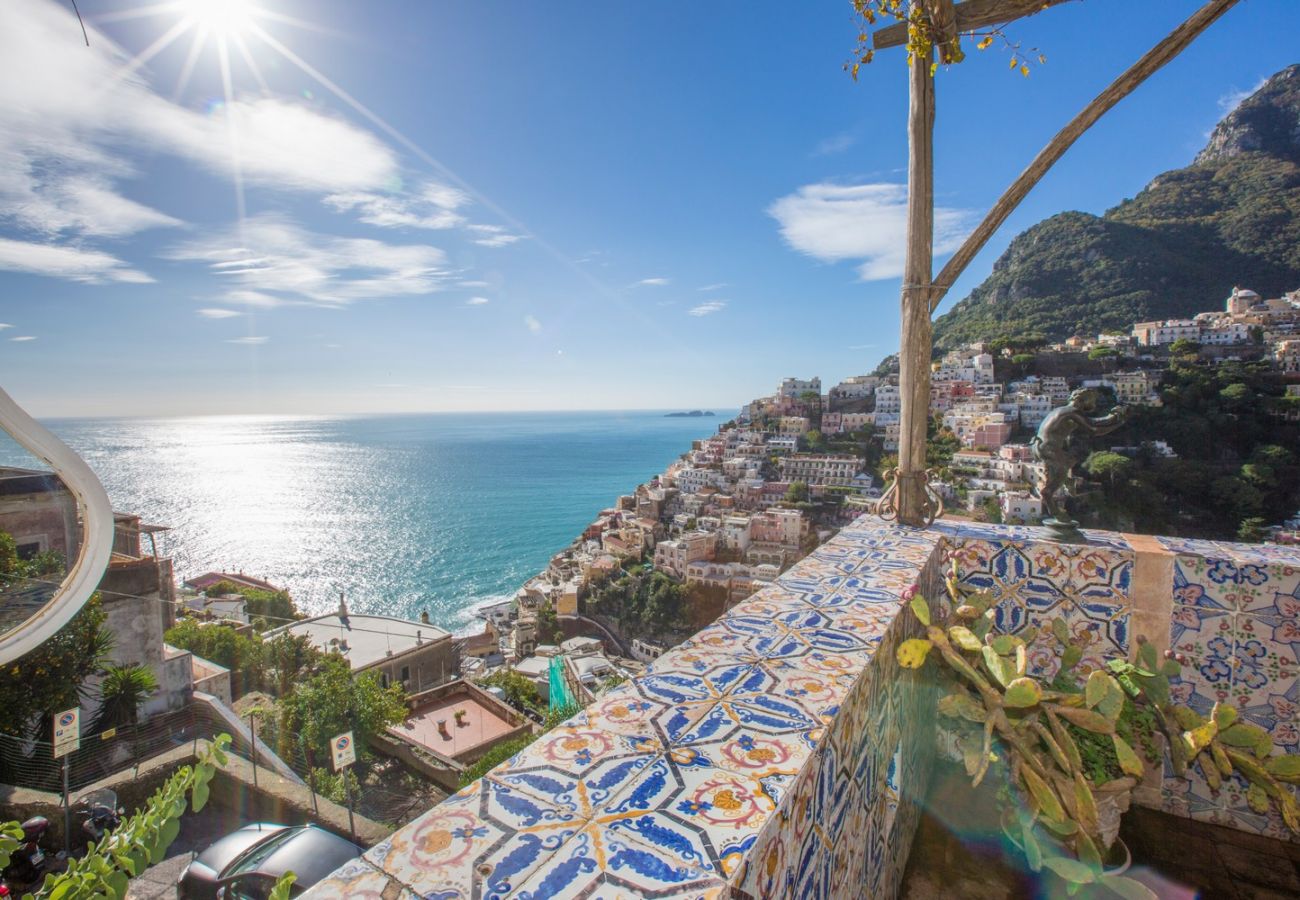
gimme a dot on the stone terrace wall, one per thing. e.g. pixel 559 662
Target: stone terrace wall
pixel 778 754
pixel 773 754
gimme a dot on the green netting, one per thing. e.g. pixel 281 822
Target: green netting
pixel 561 696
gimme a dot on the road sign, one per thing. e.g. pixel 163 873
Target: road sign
pixel 67 732
pixel 343 750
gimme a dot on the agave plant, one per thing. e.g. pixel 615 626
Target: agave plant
pixel 1058 812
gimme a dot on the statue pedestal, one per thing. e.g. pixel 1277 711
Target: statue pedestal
pixel 1064 532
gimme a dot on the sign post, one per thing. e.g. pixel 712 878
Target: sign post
pixel 67 738
pixel 343 752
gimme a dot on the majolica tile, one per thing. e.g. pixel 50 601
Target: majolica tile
pixel 578 768
pixel 696 814
pixel 358 880
pixel 1237 808
pixel 820 692
pixel 625 711
pixel 690 679
pixel 481 842
pixel 761 714
pixel 600 862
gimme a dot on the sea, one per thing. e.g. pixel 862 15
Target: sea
pixel 441 513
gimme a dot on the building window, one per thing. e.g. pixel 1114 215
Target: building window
pixel 406 674
pixel 383 679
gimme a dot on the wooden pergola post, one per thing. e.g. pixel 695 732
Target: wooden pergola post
pixel 921 292
pixel 914 336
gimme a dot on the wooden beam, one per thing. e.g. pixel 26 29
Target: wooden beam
pixel 971 16
pixel 1121 87
pixel 943 20
pixel 914 337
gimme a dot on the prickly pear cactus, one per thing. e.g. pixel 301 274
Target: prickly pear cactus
pixel 1060 818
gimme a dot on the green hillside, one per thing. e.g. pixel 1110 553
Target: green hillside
pixel 1232 217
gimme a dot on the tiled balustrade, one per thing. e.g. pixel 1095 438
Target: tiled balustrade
pixel 777 752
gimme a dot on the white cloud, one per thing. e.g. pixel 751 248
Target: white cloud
pixel 255 299
pixel 50 201
pixel 251 339
pixel 833 222
pixel 433 207
pixel 271 257
pixel 493 236
pixel 216 313
pixel 72 263
pixel 4 325
pixel 713 287
pixel 23 337
pixel 472 284
pixel 532 324
pixel 59 98
pixel 1234 98
pixel 706 309
pixel 71 117
pixel 477 301
pixel 651 282
pixel 832 145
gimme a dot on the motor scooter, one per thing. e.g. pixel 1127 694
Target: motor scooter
pixel 27 863
pixel 102 814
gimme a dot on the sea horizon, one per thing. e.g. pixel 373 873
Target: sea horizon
pixel 402 512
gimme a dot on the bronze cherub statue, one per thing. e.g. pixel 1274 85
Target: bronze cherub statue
pixel 1060 445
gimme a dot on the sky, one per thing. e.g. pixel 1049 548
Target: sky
pixel 323 206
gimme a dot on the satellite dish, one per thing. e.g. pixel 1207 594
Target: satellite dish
pixel 28 618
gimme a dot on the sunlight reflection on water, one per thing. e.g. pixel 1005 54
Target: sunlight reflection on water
pixel 404 513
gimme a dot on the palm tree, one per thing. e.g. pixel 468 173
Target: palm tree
pixel 121 694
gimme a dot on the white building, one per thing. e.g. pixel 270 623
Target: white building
pixel 1020 505
pixel 888 400
pixel 792 388
pixel 1156 334
pixel 832 469
pixel 857 387
pixel 672 557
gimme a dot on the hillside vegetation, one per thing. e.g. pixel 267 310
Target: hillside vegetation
pixel 1178 248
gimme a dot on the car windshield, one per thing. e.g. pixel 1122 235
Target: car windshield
pixel 259 853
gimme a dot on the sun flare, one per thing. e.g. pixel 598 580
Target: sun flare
pixel 221 17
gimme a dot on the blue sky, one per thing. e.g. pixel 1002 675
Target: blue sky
pixel 493 205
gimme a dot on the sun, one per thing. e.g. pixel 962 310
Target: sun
pixel 224 18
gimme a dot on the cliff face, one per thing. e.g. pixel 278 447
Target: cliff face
pixel 1177 248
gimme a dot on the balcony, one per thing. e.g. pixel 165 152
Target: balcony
pixel 782 752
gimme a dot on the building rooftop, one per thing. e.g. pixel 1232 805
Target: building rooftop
pixel 364 639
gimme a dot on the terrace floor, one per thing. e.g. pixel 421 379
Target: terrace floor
pixel 481 725
pixel 957 853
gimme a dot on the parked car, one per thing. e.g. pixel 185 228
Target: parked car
pixel 245 864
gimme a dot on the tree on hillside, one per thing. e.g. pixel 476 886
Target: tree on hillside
pixel 334 701
pixel 548 625
pixel 1107 466
pixel 797 492
pixel 287 660
pixel 53 677
pixel 221 644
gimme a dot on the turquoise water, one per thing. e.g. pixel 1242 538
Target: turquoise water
pixel 404 513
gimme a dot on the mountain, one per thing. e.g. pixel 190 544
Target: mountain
pixel 1177 248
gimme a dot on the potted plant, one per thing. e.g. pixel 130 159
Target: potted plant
pixel 1073 747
